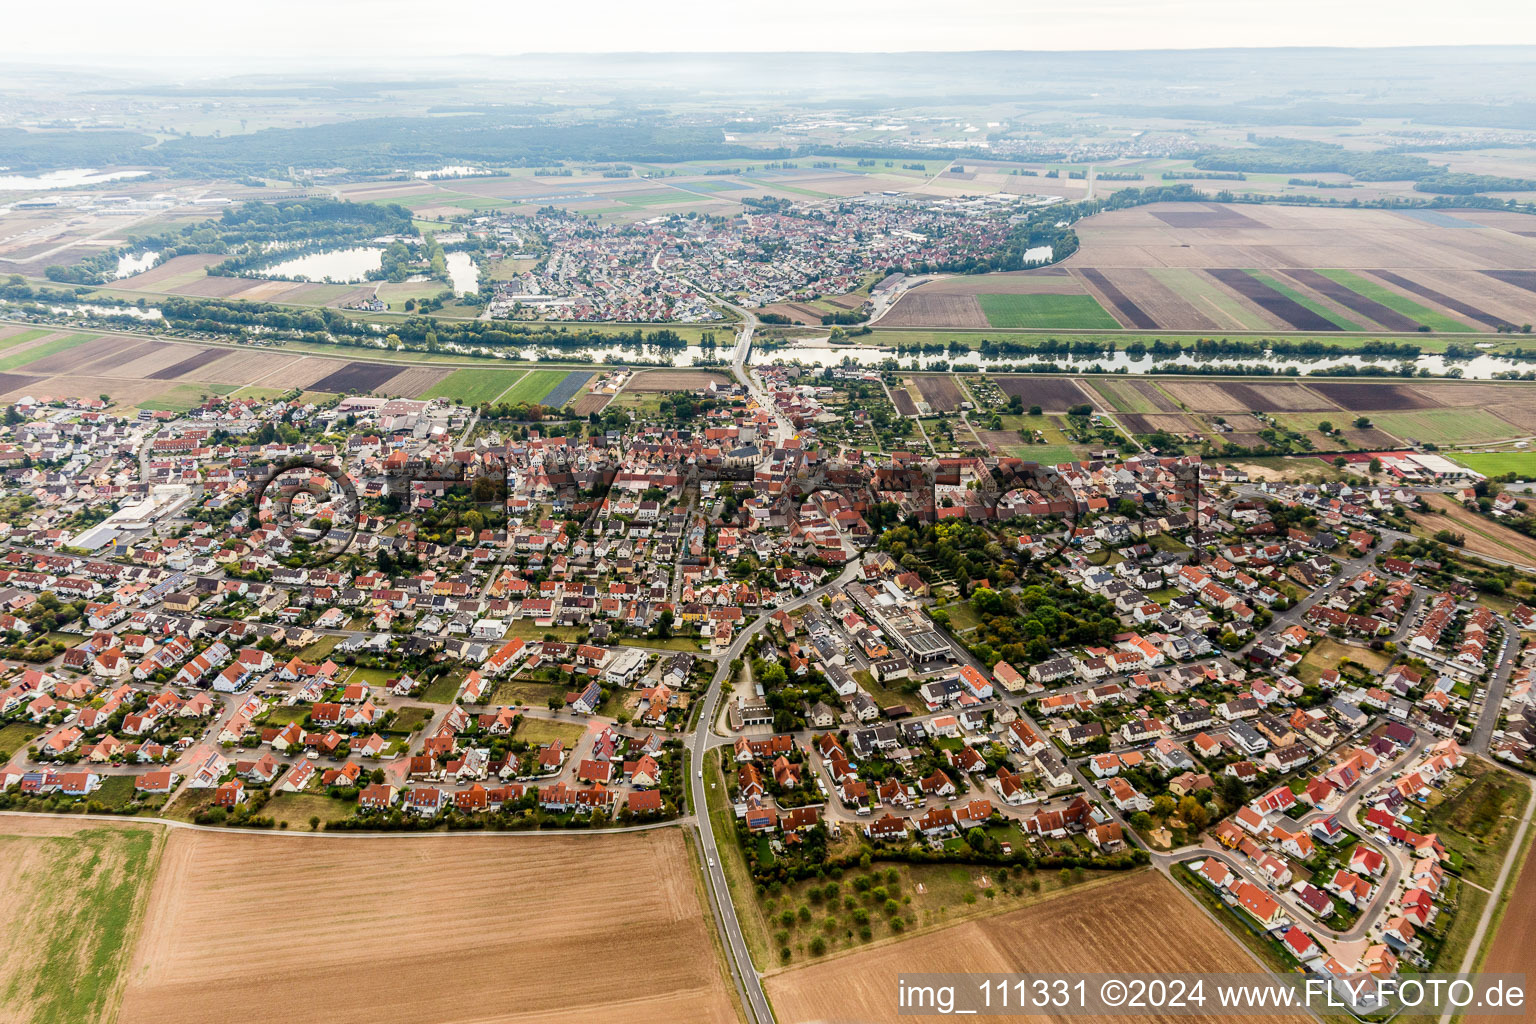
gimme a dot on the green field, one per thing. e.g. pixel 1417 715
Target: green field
pixel 48 348
pixel 534 387
pixel 14 736
pixel 1445 426
pixel 1125 396
pixel 21 338
pixel 1202 291
pixel 1395 301
pixel 1499 463
pixel 1062 311
pixel 472 387
pixel 73 904
pixel 1301 300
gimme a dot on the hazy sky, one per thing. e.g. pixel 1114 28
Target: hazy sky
pixel 361 29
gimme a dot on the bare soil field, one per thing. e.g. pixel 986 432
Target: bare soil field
pixel 1504 302
pixel 1106 929
pixel 927 309
pixel 794 311
pixel 1052 394
pixel 356 376
pixel 1360 397
pixel 1271 301
pixel 1123 306
pixel 116 359
pixel 1277 397
pixel 411 383
pixel 1352 300
pixel 674 380
pixel 901 398
pixel 589 403
pixel 1509 952
pixel 1484 536
pixel 153 279
pixel 245 367
pixel 940 392
pixel 16 383
pixel 189 366
pixel 69 359
pixel 436 928
pixel 1173 423
pixel 160 357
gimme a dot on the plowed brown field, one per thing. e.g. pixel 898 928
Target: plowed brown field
pixel 430 928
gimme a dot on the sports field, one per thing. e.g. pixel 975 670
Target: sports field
pixel 1046 311
pixel 1499 463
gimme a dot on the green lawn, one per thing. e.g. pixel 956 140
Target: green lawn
pixel 297 808
pixel 1302 300
pixel 181 398
pixel 1499 463
pixel 472 387
pixel 35 353
pixel 1395 301
pixel 443 689
pixel 534 387
pixel 1062 311
pixel 72 908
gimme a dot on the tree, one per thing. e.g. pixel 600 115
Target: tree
pixel 1326 426
pixel 664 624
pixel 1362 423
pixel 1035 410
pixel 1375 465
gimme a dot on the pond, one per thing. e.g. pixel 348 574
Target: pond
pixel 463 272
pixel 129 264
pixel 342 266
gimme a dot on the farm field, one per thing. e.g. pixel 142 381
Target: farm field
pixel 1205 266
pixel 652 381
pixel 533 387
pixel 218 940
pixel 472 387
pixel 1447 426
pixel 940 391
pixel 1046 311
pixel 72 897
pixel 1509 948
pixel 1071 932
pixel 1483 536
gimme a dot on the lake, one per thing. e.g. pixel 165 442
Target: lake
pixel 73 178
pixel 342 266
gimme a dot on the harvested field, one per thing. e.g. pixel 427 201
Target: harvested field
pixel 1484 537
pixel 1165 307
pixel 1266 298
pixel 1277 397
pixel 187 366
pixel 1452 303
pixel 356 376
pixel 1133 396
pixel 1201 397
pixel 1359 397
pixel 245 367
pixel 1509 948
pixel 564 391
pixel 171 273
pixel 117 358
pixel 158 357
pixel 675 380
pixel 901 398
pixel 940 392
pixel 218 942
pixel 74 895
pixel 1129 312
pixel 1001 442
pixel 918 308
pixel 1051 394
pixel 1044 281
pixel 795 312
pixel 124 393
pixel 302 373
pixel 1066 933
pixel 1227 308
pixel 411 383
